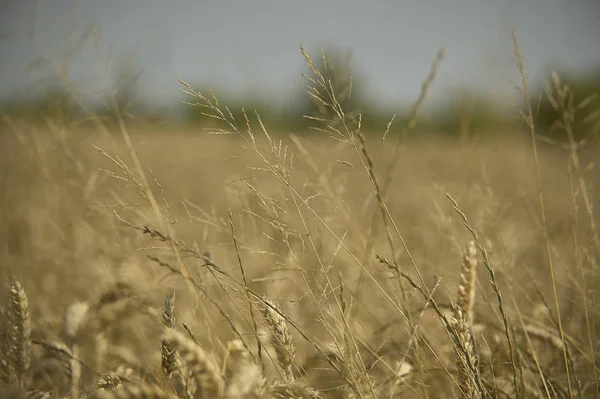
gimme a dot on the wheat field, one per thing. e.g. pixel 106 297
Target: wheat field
pixel 235 262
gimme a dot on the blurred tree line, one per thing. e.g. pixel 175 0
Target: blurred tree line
pixel 562 101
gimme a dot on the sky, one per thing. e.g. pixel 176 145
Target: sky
pixel 252 46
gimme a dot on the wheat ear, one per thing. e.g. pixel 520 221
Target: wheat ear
pixel 466 358
pixel 282 338
pixel 135 392
pixel 466 287
pixel 19 325
pixel 206 375
pixel 244 377
pixel 463 323
pixel 168 353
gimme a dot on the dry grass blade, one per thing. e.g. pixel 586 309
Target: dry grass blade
pixel 528 117
pixel 245 280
